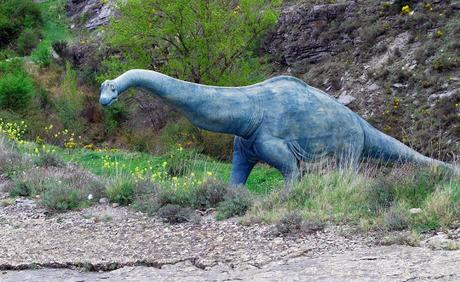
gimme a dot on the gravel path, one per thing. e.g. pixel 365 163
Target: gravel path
pixel 120 244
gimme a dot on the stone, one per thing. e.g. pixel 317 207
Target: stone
pixel 97 12
pixel 455 6
pixel 415 210
pixel 399 85
pixel 346 99
pixel 441 242
pixel 114 205
pixel 103 201
pixel 373 87
pixel 26 203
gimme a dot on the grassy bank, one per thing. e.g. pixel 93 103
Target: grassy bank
pixel 174 184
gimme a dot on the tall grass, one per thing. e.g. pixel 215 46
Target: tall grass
pixel 369 197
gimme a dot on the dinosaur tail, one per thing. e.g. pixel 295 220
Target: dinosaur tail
pixel 378 145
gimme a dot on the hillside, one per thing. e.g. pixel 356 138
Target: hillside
pixel 135 191
pixel 399 69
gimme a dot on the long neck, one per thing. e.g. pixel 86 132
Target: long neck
pixel 219 109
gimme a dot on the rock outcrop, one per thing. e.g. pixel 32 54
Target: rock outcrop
pixel 301 38
pixel 89 14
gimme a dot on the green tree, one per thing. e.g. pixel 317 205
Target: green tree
pixel 204 41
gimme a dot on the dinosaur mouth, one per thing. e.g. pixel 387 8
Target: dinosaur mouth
pixel 110 102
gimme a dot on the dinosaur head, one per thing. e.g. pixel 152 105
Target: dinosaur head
pixel 109 93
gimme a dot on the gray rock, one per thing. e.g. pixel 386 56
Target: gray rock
pixel 26 203
pixel 455 6
pixel 415 210
pixel 103 201
pixel 346 99
pixel 399 85
pixel 97 13
pixel 373 87
pixel 441 242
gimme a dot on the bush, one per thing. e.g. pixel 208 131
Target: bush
pixel 209 194
pixel 42 55
pixel 121 191
pixel 236 202
pixel 27 41
pixel 21 189
pixel 15 16
pixel 49 159
pixel 16 91
pixel 70 104
pixel 395 219
pixel 65 192
pixel 180 161
pixel 293 223
pixel 175 214
pixel 61 198
pixel 11 162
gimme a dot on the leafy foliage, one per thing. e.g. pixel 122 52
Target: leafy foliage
pixel 121 191
pixel 70 104
pixel 16 87
pixel 16 16
pixel 201 41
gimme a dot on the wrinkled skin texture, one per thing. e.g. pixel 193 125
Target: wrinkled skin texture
pixel 281 121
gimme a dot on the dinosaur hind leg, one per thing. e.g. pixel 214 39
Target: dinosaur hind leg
pixel 277 154
pixel 241 165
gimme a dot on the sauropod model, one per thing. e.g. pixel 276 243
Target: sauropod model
pixel 281 121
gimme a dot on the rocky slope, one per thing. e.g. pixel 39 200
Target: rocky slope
pixel 399 70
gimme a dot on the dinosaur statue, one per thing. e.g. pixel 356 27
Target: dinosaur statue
pixel 282 121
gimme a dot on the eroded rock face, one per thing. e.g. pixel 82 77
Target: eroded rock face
pixel 300 38
pixel 89 13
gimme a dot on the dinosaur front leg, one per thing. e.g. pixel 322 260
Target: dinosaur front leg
pixel 241 165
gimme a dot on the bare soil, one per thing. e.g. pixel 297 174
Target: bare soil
pixel 103 242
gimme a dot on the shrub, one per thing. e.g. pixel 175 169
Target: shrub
pixel 289 223
pixel 121 191
pixel 179 161
pixel 42 55
pixel 16 91
pixel 59 197
pixel 209 194
pixel 27 41
pixel 70 192
pixel 70 104
pixel 21 189
pixel 49 159
pixel 175 214
pixel 15 16
pixel 11 162
pixel 293 222
pixel 395 219
pixel 236 202
pixel 147 203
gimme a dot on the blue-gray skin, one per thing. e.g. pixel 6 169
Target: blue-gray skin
pixel 281 121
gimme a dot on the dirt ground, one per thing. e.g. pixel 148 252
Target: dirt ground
pixel 113 244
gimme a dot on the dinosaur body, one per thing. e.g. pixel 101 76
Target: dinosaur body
pixel 281 121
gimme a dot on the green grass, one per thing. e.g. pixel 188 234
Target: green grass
pixel 261 181
pixel 55 23
pixel 375 198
